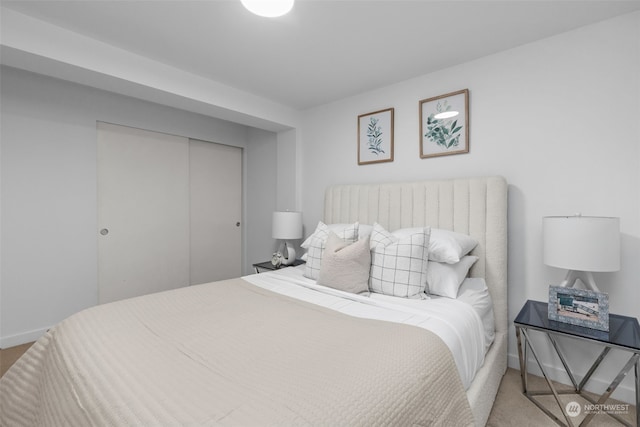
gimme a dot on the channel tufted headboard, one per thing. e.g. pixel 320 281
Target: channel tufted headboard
pixel 474 206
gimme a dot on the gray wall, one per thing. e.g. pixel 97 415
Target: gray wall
pixel 262 154
pixel 49 211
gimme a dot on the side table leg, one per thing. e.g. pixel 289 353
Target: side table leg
pixel 593 368
pixel 550 384
pixel 637 369
pixel 522 356
pixel 564 363
pixel 603 398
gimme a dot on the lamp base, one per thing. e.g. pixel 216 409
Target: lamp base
pixel 573 276
pixel 288 254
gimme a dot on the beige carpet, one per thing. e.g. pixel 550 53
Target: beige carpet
pixel 10 355
pixel 511 407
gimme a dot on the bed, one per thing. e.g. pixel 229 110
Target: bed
pixel 277 349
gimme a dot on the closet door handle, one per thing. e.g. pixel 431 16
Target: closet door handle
pixel 104 231
pixel 238 224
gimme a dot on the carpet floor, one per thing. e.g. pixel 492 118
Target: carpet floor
pixel 8 356
pixel 511 407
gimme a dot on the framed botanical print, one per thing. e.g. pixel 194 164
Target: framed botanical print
pixel 375 137
pixel 444 124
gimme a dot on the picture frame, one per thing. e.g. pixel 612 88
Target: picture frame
pixel 375 137
pixel 448 134
pixel 580 307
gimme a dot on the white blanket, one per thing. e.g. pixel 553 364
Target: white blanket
pixel 456 322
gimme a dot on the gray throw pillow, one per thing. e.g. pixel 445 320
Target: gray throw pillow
pixel 345 265
pixel 315 244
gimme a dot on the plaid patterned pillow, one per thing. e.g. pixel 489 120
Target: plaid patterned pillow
pixel 399 264
pixel 316 242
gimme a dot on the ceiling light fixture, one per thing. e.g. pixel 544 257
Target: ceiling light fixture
pixel 268 8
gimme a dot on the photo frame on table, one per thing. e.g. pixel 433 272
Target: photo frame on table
pixel 444 124
pixel 375 137
pixel 579 307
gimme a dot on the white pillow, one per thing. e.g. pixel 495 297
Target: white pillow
pixel 449 246
pixel 445 279
pixel 316 242
pixel 444 245
pixel 345 266
pixel 336 228
pixel 399 264
pixel 364 230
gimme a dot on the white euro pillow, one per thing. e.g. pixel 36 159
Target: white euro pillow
pixel 449 246
pixel 445 279
pixel 444 245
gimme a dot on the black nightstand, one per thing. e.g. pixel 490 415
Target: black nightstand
pixel 624 334
pixel 262 267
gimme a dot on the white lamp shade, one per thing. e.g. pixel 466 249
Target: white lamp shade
pixel 583 243
pixel 287 225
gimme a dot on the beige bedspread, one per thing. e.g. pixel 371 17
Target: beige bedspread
pixel 229 353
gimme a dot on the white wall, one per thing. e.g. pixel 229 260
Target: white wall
pixel 31 44
pixel 557 118
pixel 49 201
pixel 271 160
pixel 287 170
pixel 262 155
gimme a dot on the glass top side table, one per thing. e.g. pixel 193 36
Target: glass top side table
pixel 260 267
pixel 624 334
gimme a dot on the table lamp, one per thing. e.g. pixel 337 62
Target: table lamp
pixel 581 244
pixel 287 226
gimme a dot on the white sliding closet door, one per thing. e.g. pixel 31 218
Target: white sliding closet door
pixel 143 212
pixel 216 211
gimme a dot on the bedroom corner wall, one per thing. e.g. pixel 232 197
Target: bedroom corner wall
pixel 271 158
pixel 49 196
pixel 262 160
pixel 558 118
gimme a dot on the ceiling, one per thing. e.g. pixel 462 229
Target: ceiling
pixel 323 50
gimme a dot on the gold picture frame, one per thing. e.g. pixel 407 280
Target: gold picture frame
pixel 449 133
pixel 375 137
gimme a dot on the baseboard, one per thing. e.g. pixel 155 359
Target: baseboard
pixel 23 338
pixel 557 373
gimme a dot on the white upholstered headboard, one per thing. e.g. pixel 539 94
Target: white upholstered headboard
pixel 474 206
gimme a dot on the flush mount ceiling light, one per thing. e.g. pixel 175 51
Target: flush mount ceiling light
pixel 268 8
